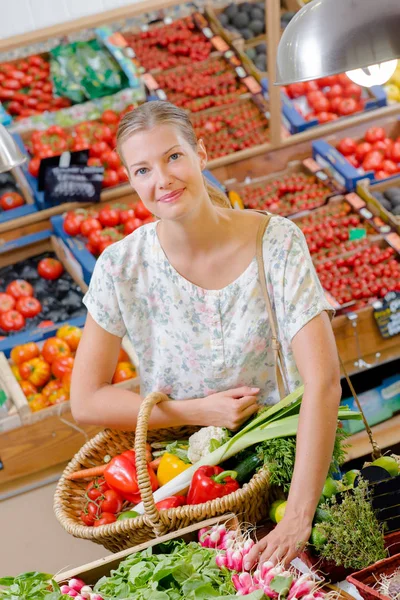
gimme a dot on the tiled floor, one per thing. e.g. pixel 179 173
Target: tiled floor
pixel 32 539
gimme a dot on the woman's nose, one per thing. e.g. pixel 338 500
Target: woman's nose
pixel 164 178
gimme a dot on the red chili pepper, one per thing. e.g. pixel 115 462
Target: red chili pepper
pixel 120 474
pixel 209 483
pixel 171 502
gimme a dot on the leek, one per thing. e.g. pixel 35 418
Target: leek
pixel 280 420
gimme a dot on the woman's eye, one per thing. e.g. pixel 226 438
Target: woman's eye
pixel 141 171
pixel 175 156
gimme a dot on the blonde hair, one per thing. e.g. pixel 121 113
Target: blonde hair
pixel 159 112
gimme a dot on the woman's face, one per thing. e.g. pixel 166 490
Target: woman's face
pixel 165 171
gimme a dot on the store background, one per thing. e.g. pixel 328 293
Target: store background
pixel 22 16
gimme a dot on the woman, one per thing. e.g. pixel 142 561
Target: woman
pixel 186 290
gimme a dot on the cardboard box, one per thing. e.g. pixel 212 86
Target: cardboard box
pixel 366 189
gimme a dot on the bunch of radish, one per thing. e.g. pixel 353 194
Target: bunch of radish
pixel 76 588
pixel 274 580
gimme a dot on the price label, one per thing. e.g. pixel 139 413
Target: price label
pixel 355 201
pixel 207 32
pixel 241 72
pixel 73 184
pixel 394 240
pixel 219 44
pixel 161 94
pixel 312 165
pixel 367 214
pixel 252 85
pixel 358 233
pixel 150 82
pixel 387 315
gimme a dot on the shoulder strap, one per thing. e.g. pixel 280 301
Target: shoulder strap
pixel 276 347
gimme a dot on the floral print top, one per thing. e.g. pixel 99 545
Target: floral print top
pixel 192 342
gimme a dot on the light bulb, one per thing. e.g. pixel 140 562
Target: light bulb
pixel 374 74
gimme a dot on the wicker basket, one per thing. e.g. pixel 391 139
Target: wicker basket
pixel 250 503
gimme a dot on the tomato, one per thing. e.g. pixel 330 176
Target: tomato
pixel 395 152
pixel 71 335
pixel 311 86
pixel 103 133
pixel 6 94
pixel 126 214
pixel 36 60
pixel 11 320
pixel 28 307
pixel 11 84
pixel 66 382
pixel 109 116
pixel 87 519
pixel 381 174
pixel 105 519
pixel 372 161
pixel 37 402
pixel 110 178
pixel 326 117
pixel 61 366
pixel 362 150
pixel 94 240
pixel 7 302
pixel 353 160
pixel 96 488
pixel 141 211
pixel 123 356
pixel 11 200
pixel 55 348
pixel 50 268
pixel 314 96
pixel 122 174
pixel 16 373
pixel 90 224
pixel 295 90
pixel 44 324
pixel 111 502
pixel 110 160
pixel 58 396
pixel 389 166
pixel 348 106
pixel 94 162
pixel 36 370
pixel 52 386
pixel 20 288
pixel 109 217
pixel 27 387
pixel 328 81
pixel 131 225
pixel 98 148
pixel 347 146
pixel 123 372
pixel 352 90
pixel 336 91
pixel 374 134
pixel 72 223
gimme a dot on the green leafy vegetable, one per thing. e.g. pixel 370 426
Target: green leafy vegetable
pixel 354 535
pixel 180 571
pixel 30 586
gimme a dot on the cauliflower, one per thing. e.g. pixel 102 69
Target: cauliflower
pixel 204 441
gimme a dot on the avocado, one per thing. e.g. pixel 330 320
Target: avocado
pixel 223 19
pixel 246 7
pixel 261 62
pixel 240 20
pixel 392 193
pixel 251 53
pixel 396 201
pixel 396 210
pixel 247 33
pixel 257 14
pixel 386 203
pixel 261 48
pixel 231 10
pixel 256 27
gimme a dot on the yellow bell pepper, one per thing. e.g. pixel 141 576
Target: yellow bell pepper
pixel 170 466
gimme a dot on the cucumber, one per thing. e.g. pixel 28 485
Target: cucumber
pixel 247 468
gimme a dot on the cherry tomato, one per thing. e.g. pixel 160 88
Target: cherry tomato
pixel 352 90
pixel 34 166
pixel 28 307
pixel 50 268
pixel 126 214
pixel 109 117
pixel 395 152
pixel 295 90
pixel 14 108
pixel 93 161
pixel 110 178
pixel 389 166
pixel 110 160
pixel 381 174
pixel 96 488
pixel 131 225
pixel 141 211
pixel 353 160
pixel 55 348
pixel 374 134
pixel 72 223
pixel 19 288
pixel 326 117
pixel 61 366
pixel 109 217
pixel 336 91
pixel 122 174
pixel 87 519
pixel 7 302
pixel 98 148
pixel 347 146
pixel 328 81
pixel 105 519
pixel 372 161
pixel 11 84
pixel 348 106
pixel 24 352
pixel 362 150
pixel 111 502
pixel 90 224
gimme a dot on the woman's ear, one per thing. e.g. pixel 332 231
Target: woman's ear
pixel 202 152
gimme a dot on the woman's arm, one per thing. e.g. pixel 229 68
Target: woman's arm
pixel 317 360
pixel 95 401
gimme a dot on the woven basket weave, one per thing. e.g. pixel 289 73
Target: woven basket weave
pixel 250 503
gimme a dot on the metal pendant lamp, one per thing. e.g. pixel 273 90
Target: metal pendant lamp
pixel 10 154
pixel 327 37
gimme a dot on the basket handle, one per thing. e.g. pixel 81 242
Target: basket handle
pixel 143 478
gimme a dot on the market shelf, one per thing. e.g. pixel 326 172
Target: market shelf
pixel 386 434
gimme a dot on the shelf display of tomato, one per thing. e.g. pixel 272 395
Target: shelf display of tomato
pixel 362 276
pixel 198 87
pixel 101 227
pixel 37 291
pixel 44 370
pixel 328 229
pixel 376 152
pixel 235 128
pixel 328 98
pixel 164 47
pixel 26 88
pixel 286 195
pixel 98 136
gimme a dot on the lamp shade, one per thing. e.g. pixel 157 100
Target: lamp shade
pixel 327 37
pixel 10 154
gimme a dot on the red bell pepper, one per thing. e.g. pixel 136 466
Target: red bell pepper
pixel 209 483
pixel 120 474
pixel 171 502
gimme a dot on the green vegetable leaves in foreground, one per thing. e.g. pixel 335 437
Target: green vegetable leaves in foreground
pixel 30 586
pixel 181 571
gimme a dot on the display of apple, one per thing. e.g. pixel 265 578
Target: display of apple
pixel 376 152
pixel 179 43
pixel 286 195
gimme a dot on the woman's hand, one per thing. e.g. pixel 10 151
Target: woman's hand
pixel 283 544
pixel 229 409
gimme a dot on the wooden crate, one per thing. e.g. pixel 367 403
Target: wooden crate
pixel 366 191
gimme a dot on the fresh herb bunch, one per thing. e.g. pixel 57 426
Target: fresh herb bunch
pixel 279 456
pixel 30 586
pixel 181 571
pixel 353 536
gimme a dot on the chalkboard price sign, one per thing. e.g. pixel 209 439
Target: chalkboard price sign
pixel 73 184
pixel 387 314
